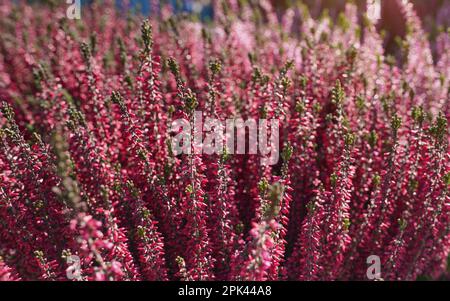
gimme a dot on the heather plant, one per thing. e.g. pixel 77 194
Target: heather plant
pixel 90 180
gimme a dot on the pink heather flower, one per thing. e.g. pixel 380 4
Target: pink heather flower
pixel 87 167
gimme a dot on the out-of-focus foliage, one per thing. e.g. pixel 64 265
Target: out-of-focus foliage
pixel 87 168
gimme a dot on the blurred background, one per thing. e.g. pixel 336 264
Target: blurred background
pixel 434 14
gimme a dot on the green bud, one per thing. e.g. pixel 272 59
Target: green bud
pixel 171 109
pixel 274 197
pixel 333 179
pixel 413 184
pixel 311 206
pixel 38 76
pixel 93 42
pixel 412 94
pixel 206 36
pixel 145 213
pixel 117 98
pixel 405 86
pixel 379 60
pixel 396 122
pixel 418 115
pixel 442 78
pixel 263 185
pixel 85 52
pixel 346 224
pixel 372 138
pixel 286 83
pixel 439 128
pixel 446 179
pixel 128 80
pixel 66 253
pixel 179 260
pixel 287 152
pixel 190 101
pixel 360 103
pixel 167 166
pixel 39 204
pixel 132 188
pixel 263 112
pixel 366 20
pixel 225 155
pixel 349 139
pixel 324 37
pixel 390 60
pixel 343 22
pixel 142 154
pixel 376 180
pixel 402 224
pixel 317 107
pixel 39 254
pixel 256 75
pixel 337 94
pixel 265 79
pixel 141 232
pixel 146 34
pixel 7 111
pixel 239 228
pixel 303 82
pixel 252 57
pixel 173 66
pixel 189 189
pixel 351 54
pixel 287 66
pixel 300 107
pixel 122 51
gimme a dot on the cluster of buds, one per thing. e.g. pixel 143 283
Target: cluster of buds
pixel 91 187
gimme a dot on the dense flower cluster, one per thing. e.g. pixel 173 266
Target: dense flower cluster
pixel 87 169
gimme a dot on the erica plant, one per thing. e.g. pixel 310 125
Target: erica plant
pixel 93 188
